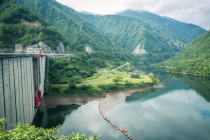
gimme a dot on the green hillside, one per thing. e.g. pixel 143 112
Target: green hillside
pixel 79 33
pixel 179 30
pixel 194 58
pixel 128 33
pixel 15 28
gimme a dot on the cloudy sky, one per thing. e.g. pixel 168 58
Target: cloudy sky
pixel 190 11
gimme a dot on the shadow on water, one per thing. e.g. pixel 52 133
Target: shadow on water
pixel 54 109
pixel 200 84
pixel 53 117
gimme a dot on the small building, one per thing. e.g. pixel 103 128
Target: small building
pixel 18 48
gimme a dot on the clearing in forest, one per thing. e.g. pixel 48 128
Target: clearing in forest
pixel 104 77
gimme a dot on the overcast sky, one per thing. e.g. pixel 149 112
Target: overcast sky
pixel 190 11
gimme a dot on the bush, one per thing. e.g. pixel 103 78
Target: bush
pixel 25 131
pixel 136 75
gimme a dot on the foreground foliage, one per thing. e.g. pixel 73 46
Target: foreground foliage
pixel 26 132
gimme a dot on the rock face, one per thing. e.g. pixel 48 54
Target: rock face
pixel 60 48
pixel 35 23
pixel 89 50
pixel 139 50
pixel 30 49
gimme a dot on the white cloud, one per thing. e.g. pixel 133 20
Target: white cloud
pixel 95 6
pixel 190 11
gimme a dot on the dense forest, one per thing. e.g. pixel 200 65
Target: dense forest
pixel 193 59
pixel 15 28
pixel 66 74
pixel 78 32
pixel 181 31
pixel 84 65
pixel 117 33
pixel 125 34
pixel 128 33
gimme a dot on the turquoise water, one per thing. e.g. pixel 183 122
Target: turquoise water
pixel 179 111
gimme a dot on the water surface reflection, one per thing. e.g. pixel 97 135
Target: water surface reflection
pixel 179 111
pixel 179 114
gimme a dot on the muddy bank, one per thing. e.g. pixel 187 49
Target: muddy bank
pixel 51 101
pixel 114 99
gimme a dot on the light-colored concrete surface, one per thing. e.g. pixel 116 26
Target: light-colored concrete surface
pixel 17 88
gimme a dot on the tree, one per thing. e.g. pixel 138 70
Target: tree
pixel 154 78
pixel 117 79
pixel 127 82
pixel 136 75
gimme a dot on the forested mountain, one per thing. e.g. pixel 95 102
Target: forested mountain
pixel 179 30
pixel 19 25
pixel 79 33
pixel 84 65
pixel 128 33
pixel 194 58
pixel 116 33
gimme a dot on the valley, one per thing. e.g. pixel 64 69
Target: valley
pixel 153 69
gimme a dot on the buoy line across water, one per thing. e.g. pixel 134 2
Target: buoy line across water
pixel 120 129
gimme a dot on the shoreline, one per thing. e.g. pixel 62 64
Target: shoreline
pixel 52 101
pixel 117 98
pixel 184 73
pixel 175 72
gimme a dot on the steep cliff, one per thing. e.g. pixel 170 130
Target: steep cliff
pixel 139 50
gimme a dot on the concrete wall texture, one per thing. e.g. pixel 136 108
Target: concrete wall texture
pixel 18 76
pixel 42 75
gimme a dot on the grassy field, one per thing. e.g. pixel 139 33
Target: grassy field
pixel 104 77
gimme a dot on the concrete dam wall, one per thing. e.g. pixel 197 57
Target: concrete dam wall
pixel 21 78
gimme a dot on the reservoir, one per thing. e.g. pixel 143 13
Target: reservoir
pixel 180 110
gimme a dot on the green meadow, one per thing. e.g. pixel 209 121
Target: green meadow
pixel 104 77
